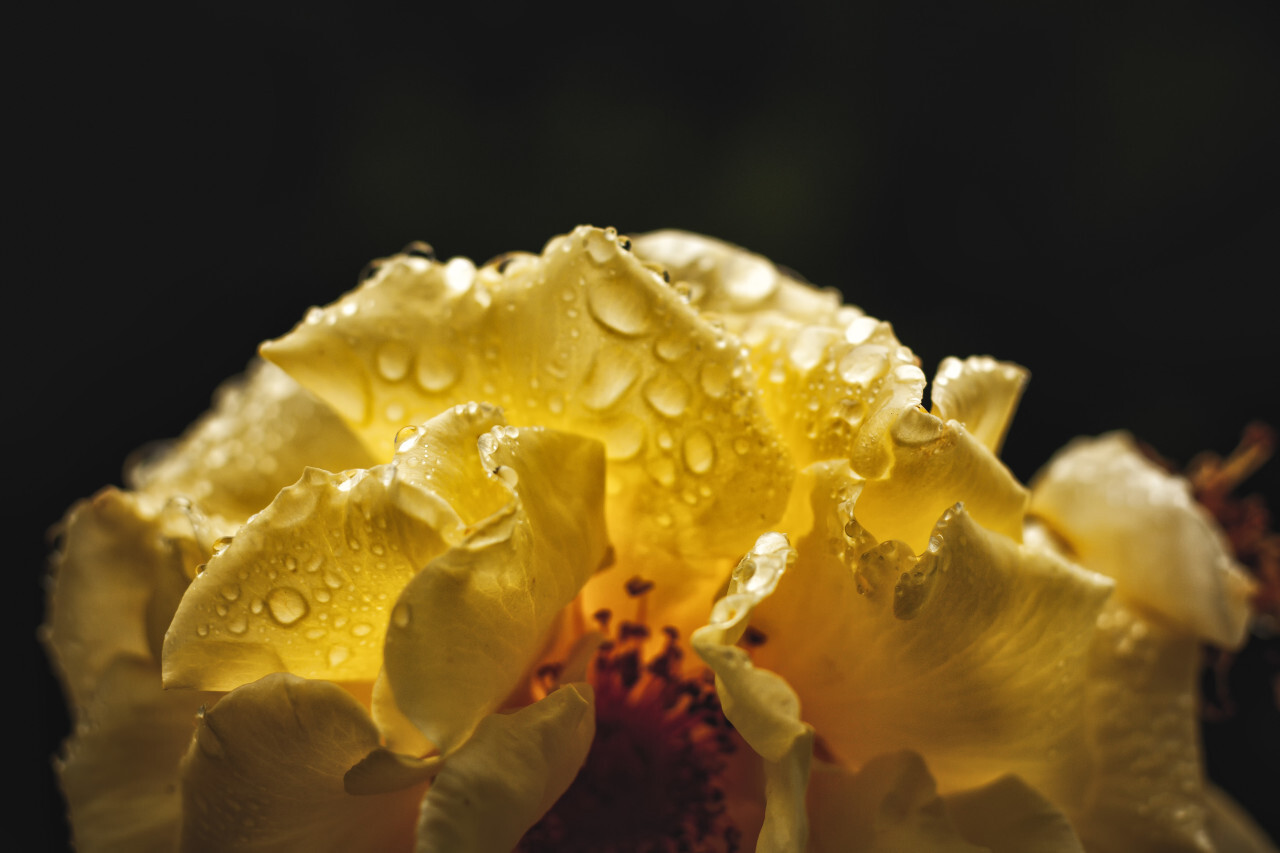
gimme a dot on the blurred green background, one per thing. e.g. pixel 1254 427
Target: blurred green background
pixel 1089 189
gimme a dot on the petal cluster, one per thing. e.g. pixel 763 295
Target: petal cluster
pixel 360 605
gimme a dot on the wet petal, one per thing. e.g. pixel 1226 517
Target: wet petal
pixel 308 584
pixel 262 431
pixel 583 338
pixel 466 629
pixel 1128 519
pixel 981 393
pixel 508 774
pixel 1009 816
pixel 972 653
pixel 266 773
pixel 119 771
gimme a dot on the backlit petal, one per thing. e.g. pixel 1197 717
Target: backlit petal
pixel 266 772
pixel 980 393
pixel 1009 816
pixel 972 653
pixel 1128 519
pixel 583 338
pixel 308 584
pixel 466 629
pixel 508 774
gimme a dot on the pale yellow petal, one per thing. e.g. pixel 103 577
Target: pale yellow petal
pixel 398 731
pixel 891 805
pixel 937 464
pixel 508 774
pixel 583 338
pixel 119 770
pixel 308 584
pixel 266 772
pixel 981 393
pixel 1009 816
pixel 466 630
pixel 262 431
pixel 972 653
pixel 1146 794
pixel 1123 516
pixel 121 554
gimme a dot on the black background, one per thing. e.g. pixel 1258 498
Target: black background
pixel 1089 189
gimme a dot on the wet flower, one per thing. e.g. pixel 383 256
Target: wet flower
pixel 460 566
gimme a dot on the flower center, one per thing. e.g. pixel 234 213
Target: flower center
pixel 651 781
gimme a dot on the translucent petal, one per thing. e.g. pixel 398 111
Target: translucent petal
pixel 121 554
pixel 508 774
pixel 582 338
pixel 833 379
pixel 308 584
pixel 1128 519
pixel 119 771
pixel 891 805
pixel 1231 827
pixel 1009 816
pixel 262 431
pixel 266 773
pixel 972 653
pixel 981 393
pixel 466 629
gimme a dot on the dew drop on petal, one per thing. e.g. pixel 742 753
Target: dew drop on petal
pixel 612 374
pixel 620 307
pixel 394 359
pixel 715 378
pixel 437 369
pixel 401 615
pixel 667 393
pixel 338 654
pixel 699 451
pixel 286 605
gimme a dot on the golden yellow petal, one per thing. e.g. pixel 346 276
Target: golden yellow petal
pixel 937 464
pixel 508 774
pixel 972 653
pixel 1123 516
pixel 308 584
pixel 466 629
pixel 981 393
pixel 398 731
pixel 1146 793
pixel 262 431
pixel 833 379
pixel 266 772
pixel 119 770
pixel 1009 816
pixel 121 554
pixel 583 338
pixel 891 805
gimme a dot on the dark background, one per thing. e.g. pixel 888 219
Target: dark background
pixel 1089 189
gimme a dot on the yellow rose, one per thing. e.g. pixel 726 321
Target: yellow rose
pixel 459 567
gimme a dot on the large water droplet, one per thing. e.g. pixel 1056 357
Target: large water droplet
pixel 749 281
pixel 673 345
pixel 459 274
pixel 230 591
pixel 623 438
pixel 699 451
pixel 394 359
pixel 715 378
pixel 437 369
pixel 667 393
pixel 361 629
pixel 338 654
pixel 286 605
pixel 809 347
pixel 612 374
pixel 620 305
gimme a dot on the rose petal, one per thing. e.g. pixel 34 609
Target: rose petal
pixel 981 393
pixel 1009 816
pixel 508 774
pixel 890 805
pixel 262 431
pixel 468 627
pixel 582 338
pixel 1128 519
pixel 119 771
pixel 972 653
pixel 266 772
pixel 308 584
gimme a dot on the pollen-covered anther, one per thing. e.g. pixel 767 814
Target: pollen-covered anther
pixel 654 770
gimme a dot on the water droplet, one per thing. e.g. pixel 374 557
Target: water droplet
pixel 612 374
pixel 287 605
pixel 361 629
pixel 437 369
pixel 673 345
pixel 741 446
pixel 459 273
pixel 623 438
pixel 338 654
pixel 401 615
pixel 699 451
pixel 600 246
pixel 202 630
pixel 315 633
pixel 238 624
pixel 809 346
pixel 230 591
pixel 863 365
pixel 222 544
pixel 715 378
pixel 332 580
pixel 291 562
pixel 620 306
pixel 860 330
pixel 750 280
pixel 394 359
pixel 255 607
pixel 555 404
pixel 323 595
pixel 667 393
